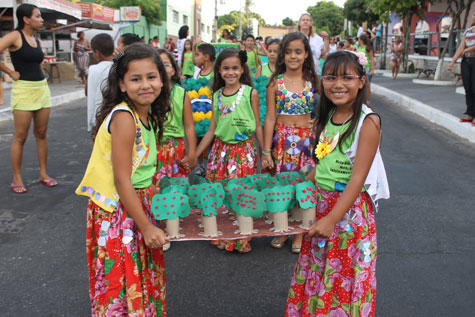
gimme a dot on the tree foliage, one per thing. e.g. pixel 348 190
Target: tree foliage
pixel 360 11
pixel 288 22
pixel 151 9
pixel 327 16
pixel 230 21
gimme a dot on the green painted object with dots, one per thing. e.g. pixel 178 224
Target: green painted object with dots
pixel 170 206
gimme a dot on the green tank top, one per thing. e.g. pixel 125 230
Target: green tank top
pixel 333 171
pixel 188 66
pixel 142 177
pixel 173 127
pixel 266 70
pixel 252 61
pixel 209 76
pixel 234 118
pixel 363 49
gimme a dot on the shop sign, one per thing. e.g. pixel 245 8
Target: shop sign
pixel 129 14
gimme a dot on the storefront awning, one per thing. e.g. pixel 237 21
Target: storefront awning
pixel 57 9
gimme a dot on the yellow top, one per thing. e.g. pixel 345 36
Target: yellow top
pixel 98 182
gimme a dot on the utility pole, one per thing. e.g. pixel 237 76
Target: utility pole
pixel 215 33
pixel 240 20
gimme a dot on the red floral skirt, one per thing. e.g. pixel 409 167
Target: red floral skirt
pixel 337 276
pixel 232 161
pixel 170 154
pixel 292 148
pixel 125 276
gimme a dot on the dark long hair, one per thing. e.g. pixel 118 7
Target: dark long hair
pixel 176 77
pixel 308 67
pixel 367 42
pixel 183 32
pixel 22 11
pixel 218 81
pixel 338 64
pixel 112 95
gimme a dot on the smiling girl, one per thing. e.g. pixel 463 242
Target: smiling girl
pixel 335 272
pixel 234 119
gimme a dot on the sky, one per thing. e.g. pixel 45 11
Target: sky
pixel 273 11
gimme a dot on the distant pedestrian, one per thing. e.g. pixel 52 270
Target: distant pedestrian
pixel 127 39
pixel 30 96
pixel 187 67
pixel 103 50
pixel 397 50
pixel 269 68
pixel 180 45
pixel 366 47
pixel 156 42
pixel 124 245
pixel 82 49
pixel 320 45
pixel 332 45
pixel 335 273
pixel 360 30
pixel 225 36
pixel 253 60
pixel 467 51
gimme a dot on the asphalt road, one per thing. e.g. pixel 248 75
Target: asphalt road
pixel 426 233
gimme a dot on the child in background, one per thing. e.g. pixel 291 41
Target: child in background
pixel 172 159
pixel 335 272
pixel 366 47
pixel 253 59
pixel 268 69
pixel 103 48
pixel 203 58
pixel 290 100
pixel 235 118
pixel 126 40
pixel 124 246
pixel 187 66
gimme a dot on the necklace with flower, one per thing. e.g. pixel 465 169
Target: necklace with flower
pixel 226 109
pixel 325 144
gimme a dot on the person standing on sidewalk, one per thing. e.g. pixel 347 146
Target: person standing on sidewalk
pixel 467 50
pixel 396 56
pixel 30 97
pixel 319 44
pixel 82 49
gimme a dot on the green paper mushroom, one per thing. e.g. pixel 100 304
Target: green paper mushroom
pixel 279 199
pixel 173 181
pixel 292 178
pixel 305 196
pixel 249 203
pixel 170 206
pixel 196 179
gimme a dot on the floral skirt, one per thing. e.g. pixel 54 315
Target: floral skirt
pixel 170 154
pixel 337 277
pixel 292 148
pixel 232 161
pixel 125 276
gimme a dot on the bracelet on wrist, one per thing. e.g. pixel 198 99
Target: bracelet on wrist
pixel 264 152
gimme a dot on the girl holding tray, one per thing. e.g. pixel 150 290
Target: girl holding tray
pixel 235 117
pixel 291 96
pixel 124 246
pixel 335 272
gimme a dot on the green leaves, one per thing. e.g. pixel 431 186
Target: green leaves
pixel 108 265
pixel 327 16
pixel 151 9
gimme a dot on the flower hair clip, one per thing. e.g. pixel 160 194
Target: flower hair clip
pixel 116 60
pixel 362 60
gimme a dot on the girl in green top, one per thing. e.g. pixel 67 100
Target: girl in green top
pixel 366 47
pixel 235 117
pixel 344 235
pixel 253 59
pixel 268 69
pixel 187 66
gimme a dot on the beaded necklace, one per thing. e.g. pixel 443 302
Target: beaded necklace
pixel 294 103
pixel 225 109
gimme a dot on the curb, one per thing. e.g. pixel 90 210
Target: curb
pixel 440 118
pixel 6 114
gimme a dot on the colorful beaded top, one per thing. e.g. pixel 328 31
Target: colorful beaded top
pixel 291 103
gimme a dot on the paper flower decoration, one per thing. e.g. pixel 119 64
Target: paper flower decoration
pixel 322 150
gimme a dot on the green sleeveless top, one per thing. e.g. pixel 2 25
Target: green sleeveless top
pixel 252 61
pixel 142 177
pixel 266 70
pixel 209 76
pixel 234 117
pixel 188 66
pixel 333 171
pixel 173 126
pixel 363 49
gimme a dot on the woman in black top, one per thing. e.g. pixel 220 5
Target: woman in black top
pixel 31 99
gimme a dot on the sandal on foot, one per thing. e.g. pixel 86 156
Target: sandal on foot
pixel 466 120
pixel 277 243
pixel 18 189
pixel 49 182
pixel 296 248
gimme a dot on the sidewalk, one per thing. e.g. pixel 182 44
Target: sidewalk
pixel 61 93
pixel 438 104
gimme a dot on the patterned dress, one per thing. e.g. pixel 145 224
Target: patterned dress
pixel 125 276
pixel 336 277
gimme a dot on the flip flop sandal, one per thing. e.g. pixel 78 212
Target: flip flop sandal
pixel 49 182
pixel 18 189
